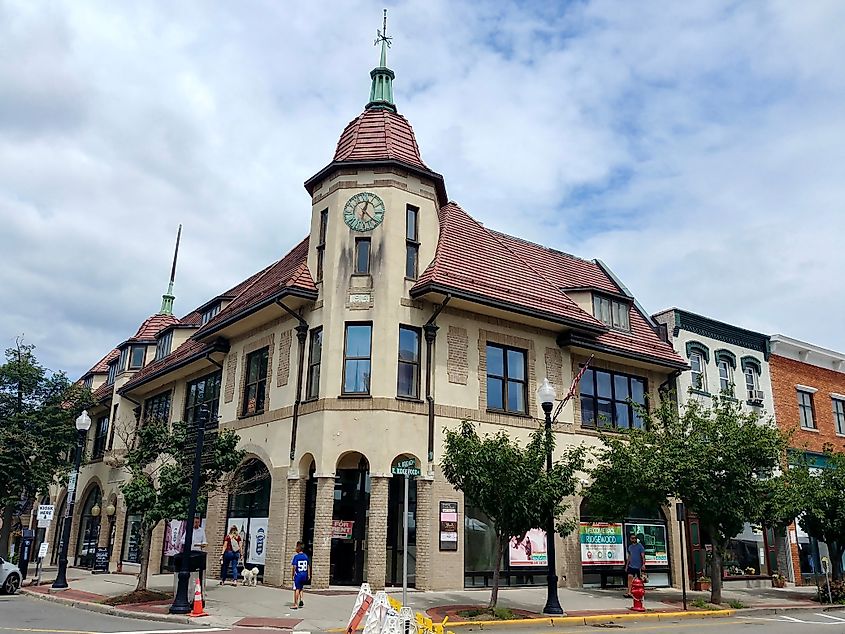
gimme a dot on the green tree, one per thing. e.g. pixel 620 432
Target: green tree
pixel 717 460
pixel 509 483
pixel 37 412
pixel 160 461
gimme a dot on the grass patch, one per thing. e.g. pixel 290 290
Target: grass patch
pixel 138 596
pixel 701 604
pixel 736 605
pixel 486 614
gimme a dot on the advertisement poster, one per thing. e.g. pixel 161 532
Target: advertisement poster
pixel 256 547
pixel 174 537
pixel 530 550
pixel 601 544
pixel 653 537
pixel 448 526
pixel 342 529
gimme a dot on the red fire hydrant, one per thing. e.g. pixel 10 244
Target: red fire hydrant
pixel 638 593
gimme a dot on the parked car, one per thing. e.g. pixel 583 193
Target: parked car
pixel 10 577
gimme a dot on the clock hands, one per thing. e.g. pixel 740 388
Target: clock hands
pixel 364 211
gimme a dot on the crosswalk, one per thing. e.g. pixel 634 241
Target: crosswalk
pixel 822 620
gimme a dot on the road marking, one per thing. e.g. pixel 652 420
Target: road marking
pixel 830 616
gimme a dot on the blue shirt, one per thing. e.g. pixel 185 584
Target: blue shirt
pixel 300 564
pixel 636 555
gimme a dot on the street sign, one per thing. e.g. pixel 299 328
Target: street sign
pixel 405 471
pixel 410 462
pixel 42 550
pixel 45 512
pixel 44 523
pixel 71 482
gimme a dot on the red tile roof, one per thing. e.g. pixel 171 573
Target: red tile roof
pixel 102 366
pixel 103 392
pixel 379 135
pixel 152 325
pixel 191 348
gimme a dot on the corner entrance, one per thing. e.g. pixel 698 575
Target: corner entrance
pixel 349 520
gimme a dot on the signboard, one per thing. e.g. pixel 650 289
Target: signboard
pixel 45 512
pixel 257 544
pixel 71 482
pixel 602 544
pixel 42 550
pixel 174 537
pixel 43 523
pixel 531 550
pixel 653 538
pixel 448 526
pixel 406 467
pixel 342 529
pixel 101 560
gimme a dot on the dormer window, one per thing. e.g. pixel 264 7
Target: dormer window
pixel 112 372
pixel 209 313
pixel 612 312
pixel 124 359
pixel 136 359
pixel 163 345
pixel 88 383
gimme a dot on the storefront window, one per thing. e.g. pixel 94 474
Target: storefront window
pixel 249 510
pixel 132 540
pixel 746 554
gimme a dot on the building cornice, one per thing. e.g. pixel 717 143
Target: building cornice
pixel 726 333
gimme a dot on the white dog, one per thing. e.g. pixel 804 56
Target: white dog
pixel 250 577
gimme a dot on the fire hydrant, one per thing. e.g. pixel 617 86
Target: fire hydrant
pixel 638 593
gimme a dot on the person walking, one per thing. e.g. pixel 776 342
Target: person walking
pixel 230 556
pixel 635 562
pixel 300 570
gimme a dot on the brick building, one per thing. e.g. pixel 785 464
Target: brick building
pixel 808 384
pixel 399 315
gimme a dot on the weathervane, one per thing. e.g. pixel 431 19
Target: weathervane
pixel 381 36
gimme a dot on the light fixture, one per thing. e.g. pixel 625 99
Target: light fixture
pixel 95 510
pixel 83 423
pixel 110 510
pixel 546 392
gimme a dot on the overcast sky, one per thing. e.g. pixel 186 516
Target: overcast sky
pixel 698 148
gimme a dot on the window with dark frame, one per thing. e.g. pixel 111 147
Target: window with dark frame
pixel 698 371
pixel 608 399
pixel 507 385
pixel 211 312
pixel 123 362
pixel 839 415
pixel 805 409
pixel 321 243
pixel 752 383
pixel 255 385
pixel 137 357
pixel 112 372
pixel 88 383
pixel 612 312
pixel 412 244
pixel 315 355
pixel 357 363
pixel 408 383
pixel 163 345
pixel 203 391
pixel 362 256
pixel 101 434
pixel 157 408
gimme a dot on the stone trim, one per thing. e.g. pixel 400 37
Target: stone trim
pixel 505 324
pixel 489 336
pixel 725 355
pixel 751 362
pixel 283 371
pixel 355 184
pixel 700 348
pixel 267 341
pixel 410 303
pixel 457 365
pixel 231 371
pixel 554 368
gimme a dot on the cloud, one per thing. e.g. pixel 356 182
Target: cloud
pixel 695 147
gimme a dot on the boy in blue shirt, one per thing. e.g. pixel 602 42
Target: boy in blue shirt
pixel 299 570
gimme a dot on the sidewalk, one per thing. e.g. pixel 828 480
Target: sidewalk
pixel 330 609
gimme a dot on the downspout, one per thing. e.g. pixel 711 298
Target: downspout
pixel 301 335
pixel 670 385
pixel 430 329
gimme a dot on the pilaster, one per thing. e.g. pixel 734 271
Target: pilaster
pixel 294 520
pixel 321 564
pixel 274 561
pixel 376 572
pixel 425 534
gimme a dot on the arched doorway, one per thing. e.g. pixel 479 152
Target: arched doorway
pixel 89 529
pixel 396 514
pixel 249 510
pixel 349 520
pixel 57 538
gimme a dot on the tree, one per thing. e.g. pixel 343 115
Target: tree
pixel 160 461
pixel 37 412
pixel 717 460
pixel 510 484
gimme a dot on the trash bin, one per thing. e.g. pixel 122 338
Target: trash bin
pixel 196 565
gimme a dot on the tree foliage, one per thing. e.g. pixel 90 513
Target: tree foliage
pixel 715 459
pixel 509 483
pixel 37 412
pixel 160 461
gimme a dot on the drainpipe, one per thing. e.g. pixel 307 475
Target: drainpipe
pixel 301 335
pixel 430 329
pixel 670 385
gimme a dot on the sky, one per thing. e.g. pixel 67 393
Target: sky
pixel 697 147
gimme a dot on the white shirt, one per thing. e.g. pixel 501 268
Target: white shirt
pixel 198 539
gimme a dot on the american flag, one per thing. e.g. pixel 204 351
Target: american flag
pixel 573 388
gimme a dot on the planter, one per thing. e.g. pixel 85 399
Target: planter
pixel 701 586
pixel 778 583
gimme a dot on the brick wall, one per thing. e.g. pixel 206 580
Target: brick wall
pixel 295 518
pixel 323 533
pixel 276 559
pixel 377 532
pixel 426 536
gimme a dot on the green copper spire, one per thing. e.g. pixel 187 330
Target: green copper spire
pixel 168 297
pixel 381 93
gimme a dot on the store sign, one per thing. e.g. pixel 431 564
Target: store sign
pixel 45 512
pixel 653 538
pixel 602 544
pixel 257 544
pixel 531 550
pixel 342 529
pixel 448 526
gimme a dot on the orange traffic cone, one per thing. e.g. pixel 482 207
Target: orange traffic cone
pixel 198 606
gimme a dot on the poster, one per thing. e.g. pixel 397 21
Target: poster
pixel 256 547
pixel 174 537
pixel 342 529
pixel 448 526
pixel 601 544
pixel 530 550
pixel 653 538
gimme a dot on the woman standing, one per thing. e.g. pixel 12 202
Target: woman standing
pixel 231 554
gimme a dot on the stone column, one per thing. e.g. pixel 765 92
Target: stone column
pixel 120 517
pixel 376 572
pixel 294 526
pixel 570 573
pixel 215 531
pixel 274 562
pixel 156 547
pixel 673 535
pixel 427 535
pixel 321 563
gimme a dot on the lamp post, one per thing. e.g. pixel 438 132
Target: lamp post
pixel 546 395
pixel 83 424
pixel 180 601
pixel 110 511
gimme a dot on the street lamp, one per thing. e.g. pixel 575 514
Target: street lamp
pixel 83 424
pixel 110 511
pixel 180 601
pixel 546 395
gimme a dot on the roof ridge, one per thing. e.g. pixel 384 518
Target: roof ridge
pixel 543 246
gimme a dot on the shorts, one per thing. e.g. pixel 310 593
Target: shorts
pixel 634 571
pixel 299 581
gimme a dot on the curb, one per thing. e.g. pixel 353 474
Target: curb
pixel 595 619
pixel 114 611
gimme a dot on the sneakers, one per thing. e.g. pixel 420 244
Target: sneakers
pixel 301 604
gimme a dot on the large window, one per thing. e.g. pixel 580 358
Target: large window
pixel 132 539
pixel 136 359
pixel 839 415
pixel 362 256
pixel 726 382
pixel 357 350
pixel 315 355
pixel 608 399
pixel 255 386
pixel 163 345
pixel 101 434
pixel 506 379
pixel 612 312
pixel 805 409
pixel 698 371
pixel 157 408
pixel 409 362
pixel 412 244
pixel 321 243
pixel 203 391
pixel 752 384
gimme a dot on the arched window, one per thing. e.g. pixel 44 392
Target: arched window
pixel 752 368
pixel 699 356
pixel 726 362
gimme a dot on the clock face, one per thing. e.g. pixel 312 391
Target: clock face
pixel 363 212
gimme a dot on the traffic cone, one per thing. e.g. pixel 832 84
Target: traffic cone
pixel 198 606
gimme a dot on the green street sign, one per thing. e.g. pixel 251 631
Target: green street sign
pixel 406 471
